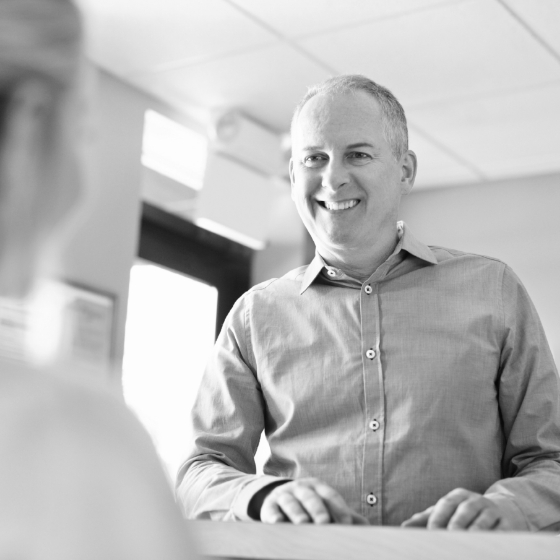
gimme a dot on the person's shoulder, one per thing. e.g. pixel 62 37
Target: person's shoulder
pixel 289 282
pixel 62 404
pixel 71 420
pixel 28 392
pixel 266 296
pixel 445 254
pixel 98 471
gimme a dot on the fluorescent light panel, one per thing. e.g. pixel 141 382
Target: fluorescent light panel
pixel 174 150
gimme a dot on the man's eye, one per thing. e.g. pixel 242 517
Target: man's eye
pixel 314 160
pixel 359 158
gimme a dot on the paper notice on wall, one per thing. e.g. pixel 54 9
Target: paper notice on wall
pixel 87 327
pixel 14 318
pixel 61 323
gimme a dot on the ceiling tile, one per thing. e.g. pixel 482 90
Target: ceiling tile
pixel 457 50
pixel 446 60
pixel 436 167
pixel 265 84
pixel 506 135
pixel 127 36
pixel 296 18
pixel 542 16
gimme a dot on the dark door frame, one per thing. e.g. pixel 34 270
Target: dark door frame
pixel 170 241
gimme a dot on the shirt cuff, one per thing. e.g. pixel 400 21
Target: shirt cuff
pixel 241 505
pixel 511 511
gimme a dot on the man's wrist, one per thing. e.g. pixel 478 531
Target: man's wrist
pixel 512 514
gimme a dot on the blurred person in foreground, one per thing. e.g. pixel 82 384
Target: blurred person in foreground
pixel 396 383
pixel 78 475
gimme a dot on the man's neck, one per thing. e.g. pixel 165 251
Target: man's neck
pixel 360 263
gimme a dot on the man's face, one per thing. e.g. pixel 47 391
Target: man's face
pixel 346 183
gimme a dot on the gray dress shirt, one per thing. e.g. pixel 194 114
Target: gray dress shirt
pixel 433 374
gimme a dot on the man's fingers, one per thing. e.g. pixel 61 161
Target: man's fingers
pixel 271 512
pixel 308 500
pixel 466 513
pixel 338 509
pixel 418 519
pixel 458 510
pixel 445 508
pixel 358 519
pixel 313 505
pixel 295 502
pixel 292 508
pixel 487 520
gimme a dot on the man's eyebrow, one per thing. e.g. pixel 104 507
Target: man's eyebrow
pixel 349 147
pixel 360 145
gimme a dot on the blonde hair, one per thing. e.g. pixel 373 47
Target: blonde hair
pixel 39 38
pixel 40 45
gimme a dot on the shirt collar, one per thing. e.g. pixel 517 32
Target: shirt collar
pixel 407 241
pixel 414 246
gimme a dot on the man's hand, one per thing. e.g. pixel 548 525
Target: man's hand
pixel 307 500
pixel 461 510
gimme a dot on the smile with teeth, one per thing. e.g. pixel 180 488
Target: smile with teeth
pixel 344 205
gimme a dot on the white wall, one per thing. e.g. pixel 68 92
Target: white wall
pixel 103 247
pixel 285 247
pixel 517 221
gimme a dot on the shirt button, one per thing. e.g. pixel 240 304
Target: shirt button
pixel 331 272
pixel 374 425
pixel 371 499
pixel 368 289
pixel 370 354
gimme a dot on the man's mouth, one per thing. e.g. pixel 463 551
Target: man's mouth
pixel 343 205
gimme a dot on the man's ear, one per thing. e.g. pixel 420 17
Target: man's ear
pixel 409 166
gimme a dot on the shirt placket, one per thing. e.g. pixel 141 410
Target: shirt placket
pixel 374 425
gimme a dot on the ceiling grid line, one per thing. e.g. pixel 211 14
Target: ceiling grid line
pixel 459 159
pixel 297 47
pixel 489 94
pixel 523 23
pixel 443 3
pixel 462 161
pixel 480 78
pixel 452 154
pixel 180 64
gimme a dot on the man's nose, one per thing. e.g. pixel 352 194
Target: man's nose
pixel 335 175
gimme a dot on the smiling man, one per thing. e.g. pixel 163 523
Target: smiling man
pixel 396 383
pixel 348 178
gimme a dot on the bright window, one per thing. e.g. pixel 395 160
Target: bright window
pixel 174 150
pixel 169 335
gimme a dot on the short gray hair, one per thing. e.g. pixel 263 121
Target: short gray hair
pixel 394 120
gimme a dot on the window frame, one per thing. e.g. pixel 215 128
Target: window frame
pixel 170 241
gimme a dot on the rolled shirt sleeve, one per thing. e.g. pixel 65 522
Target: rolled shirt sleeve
pixel 219 478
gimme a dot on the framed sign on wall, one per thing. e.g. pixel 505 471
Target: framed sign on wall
pixel 63 322
pixel 88 318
